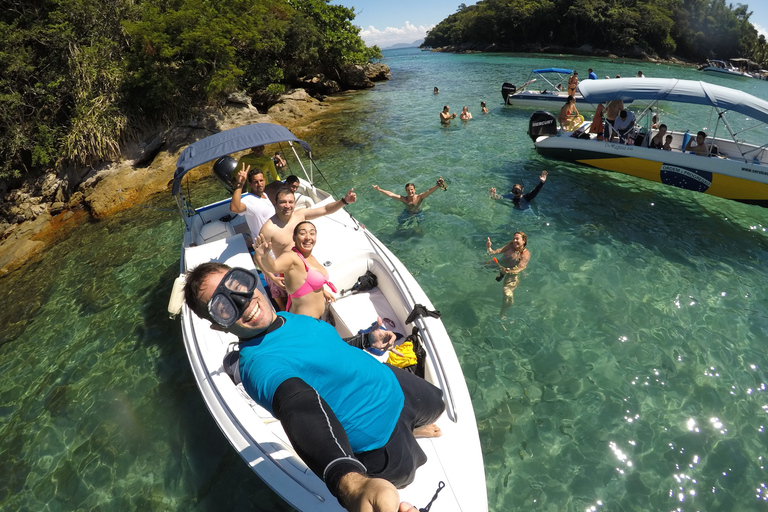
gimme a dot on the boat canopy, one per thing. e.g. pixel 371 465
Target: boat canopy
pixel 554 70
pixel 672 90
pixel 228 142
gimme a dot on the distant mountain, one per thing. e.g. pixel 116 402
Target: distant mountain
pixel 414 44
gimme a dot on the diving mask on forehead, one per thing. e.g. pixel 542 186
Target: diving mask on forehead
pixel 232 296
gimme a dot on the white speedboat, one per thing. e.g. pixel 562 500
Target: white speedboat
pixel 347 249
pixel 548 89
pixel 723 68
pixel 735 169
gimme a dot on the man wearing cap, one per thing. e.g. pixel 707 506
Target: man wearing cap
pixel 256 159
pixel 351 419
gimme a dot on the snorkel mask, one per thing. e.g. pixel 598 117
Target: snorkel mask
pixel 232 296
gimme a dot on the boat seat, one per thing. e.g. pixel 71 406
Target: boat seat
pixel 231 251
pixel 357 311
pixel 214 230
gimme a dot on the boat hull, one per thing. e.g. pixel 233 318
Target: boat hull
pixel 729 179
pixel 725 72
pixel 347 250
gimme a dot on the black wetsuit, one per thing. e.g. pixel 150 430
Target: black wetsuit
pixel 522 201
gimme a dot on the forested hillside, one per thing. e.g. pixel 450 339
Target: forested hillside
pixel 691 29
pixel 80 76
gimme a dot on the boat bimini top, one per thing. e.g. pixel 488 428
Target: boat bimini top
pixel 231 141
pixel 561 71
pixel 681 91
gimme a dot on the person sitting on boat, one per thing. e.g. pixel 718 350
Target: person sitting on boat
pixel 256 159
pixel 569 117
pixel 597 122
pixel 515 257
pixel 698 146
pixel 640 74
pixel 483 108
pixel 465 114
pixel 612 110
pixel 446 116
pixel 520 200
pixel 305 277
pixel 657 142
pixel 624 124
pixel 573 82
pixel 351 419
pixel 411 199
pixel 278 230
pixel 667 144
pixel 655 122
pixel 256 207
pixel 592 75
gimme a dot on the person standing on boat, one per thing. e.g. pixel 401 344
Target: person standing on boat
pixel 411 199
pixel 446 116
pixel 592 75
pixel 352 420
pixel 624 125
pixel 256 159
pixel 612 110
pixel 573 82
pixel 515 258
pixel 520 200
pixel 256 207
pixel 278 230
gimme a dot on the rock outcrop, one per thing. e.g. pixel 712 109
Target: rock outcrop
pixel 42 211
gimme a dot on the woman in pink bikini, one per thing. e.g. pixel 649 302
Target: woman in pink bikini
pixel 304 275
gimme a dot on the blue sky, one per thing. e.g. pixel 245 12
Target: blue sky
pixel 388 22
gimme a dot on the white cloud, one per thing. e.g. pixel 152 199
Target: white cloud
pixel 391 35
pixel 761 30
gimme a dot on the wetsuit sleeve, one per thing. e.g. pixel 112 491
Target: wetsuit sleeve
pixel 315 432
pixel 358 341
pixel 530 195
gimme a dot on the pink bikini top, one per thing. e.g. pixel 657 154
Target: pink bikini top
pixel 315 280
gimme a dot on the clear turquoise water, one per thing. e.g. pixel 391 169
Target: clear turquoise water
pixel 630 373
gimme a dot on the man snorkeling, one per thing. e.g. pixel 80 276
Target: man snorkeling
pixel 521 201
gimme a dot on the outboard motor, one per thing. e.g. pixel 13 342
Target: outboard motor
pixel 507 89
pixel 224 169
pixel 542 123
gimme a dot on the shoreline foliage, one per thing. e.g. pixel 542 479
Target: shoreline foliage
pixel 692 29
pixel 80 78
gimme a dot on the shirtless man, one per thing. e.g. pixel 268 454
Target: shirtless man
pixel 412 200
pixel 699 146
pixel 446 116
pixel 279 231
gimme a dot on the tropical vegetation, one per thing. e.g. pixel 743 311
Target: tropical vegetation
pixel 690 29
pixel 81 76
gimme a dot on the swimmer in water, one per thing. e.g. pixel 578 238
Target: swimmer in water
pixel 515 257
pixel 411 199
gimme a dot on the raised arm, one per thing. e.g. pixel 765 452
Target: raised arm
pixel 313 213
pixel 236 205
pixel 488 247
pixel 494 195
pixel 387 193
pixel 424 195
pixel 262 253
pixel 533 193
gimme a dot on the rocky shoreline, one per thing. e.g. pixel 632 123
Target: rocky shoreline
pixel 43 212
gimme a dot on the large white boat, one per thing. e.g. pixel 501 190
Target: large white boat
pixel 735 169
pixel 348 250
pixel 723 68
pixel 545 88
